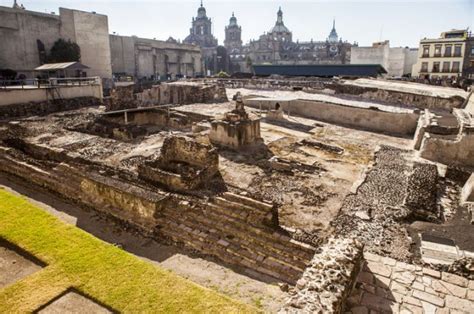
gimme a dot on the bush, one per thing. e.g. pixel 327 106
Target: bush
pixel 223 74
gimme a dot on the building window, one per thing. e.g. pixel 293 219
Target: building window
pixel 435 67
pixel 424 67
pixel 437 52
pixel 426 51
pixel 455 67
pixel 472 51
pixel 457 50
pixel 448 51
pixel 446 66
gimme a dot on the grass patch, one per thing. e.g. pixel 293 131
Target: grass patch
pixel 100 270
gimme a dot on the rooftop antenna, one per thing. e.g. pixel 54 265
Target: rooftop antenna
pixel 381 33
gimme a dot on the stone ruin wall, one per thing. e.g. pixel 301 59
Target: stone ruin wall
pixel 235 229
pixel 329 279
pixel 179 148
pixel 339 88
pixel 370 119
pixel 235 136
pixel 398 97
pixel 451 145
pixel 46 107
pixel 184 165
pixel 123 97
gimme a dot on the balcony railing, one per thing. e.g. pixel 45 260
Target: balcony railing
pixel 51 82
pixel 425 55
pixel 437 55
pixel 447 55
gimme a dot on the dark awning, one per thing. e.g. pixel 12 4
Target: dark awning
pixel 321 70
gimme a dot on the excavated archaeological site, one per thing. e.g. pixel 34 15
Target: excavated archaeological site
pixel 297 196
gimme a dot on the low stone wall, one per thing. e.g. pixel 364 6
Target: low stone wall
pixel 275 84
pixel 45 107
pixel 16 96
pixel 398 97
pixel 450 149
pixel 402 123
pixel 180 93
pixel 467 194
pixel 328 281
pixel 385 94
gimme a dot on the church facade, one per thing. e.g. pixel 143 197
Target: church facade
pixel 277 47
pixel 273 47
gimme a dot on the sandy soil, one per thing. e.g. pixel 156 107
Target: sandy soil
pixel 208 273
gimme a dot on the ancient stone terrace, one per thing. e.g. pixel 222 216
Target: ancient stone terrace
pixel 279 186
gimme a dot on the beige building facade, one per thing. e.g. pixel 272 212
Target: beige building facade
pixel 26 38
pixel 154 59
pixel 448 57
pixel 398 61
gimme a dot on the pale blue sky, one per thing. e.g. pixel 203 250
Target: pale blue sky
pixel 403 22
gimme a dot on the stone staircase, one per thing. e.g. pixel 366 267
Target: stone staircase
pixel 239 234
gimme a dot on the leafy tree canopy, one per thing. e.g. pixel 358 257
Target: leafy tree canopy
pixel 64 51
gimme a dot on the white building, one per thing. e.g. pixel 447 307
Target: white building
pixel 397 61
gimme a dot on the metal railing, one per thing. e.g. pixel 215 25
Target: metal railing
pixel 51 82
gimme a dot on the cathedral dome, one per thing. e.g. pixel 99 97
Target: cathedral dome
pixel 279 25
pixel 233 20
pixel 279 28
pixel 201 11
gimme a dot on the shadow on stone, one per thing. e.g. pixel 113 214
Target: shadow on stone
pixel 74 301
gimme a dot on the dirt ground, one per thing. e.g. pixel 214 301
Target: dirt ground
pixel 308 200
pixel 73 303
pixel 14 266
pixel 208 273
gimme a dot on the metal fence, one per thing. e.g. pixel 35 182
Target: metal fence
pixel 51 82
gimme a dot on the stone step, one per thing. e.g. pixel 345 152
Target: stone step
pixel 269 234
pixel 253 243
pixel 265 207
pixel 282 242
pixel 228 252
pixel 237 206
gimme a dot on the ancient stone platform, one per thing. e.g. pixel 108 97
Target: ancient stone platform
pixel 387 285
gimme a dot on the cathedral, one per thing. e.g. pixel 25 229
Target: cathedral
pixel 273 47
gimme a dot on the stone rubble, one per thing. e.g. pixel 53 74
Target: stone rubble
pixel 328 280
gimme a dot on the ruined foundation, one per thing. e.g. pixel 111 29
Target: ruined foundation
pixel 184 165
pixel 237 129
pixel 341 205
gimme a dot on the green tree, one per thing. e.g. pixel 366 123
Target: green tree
pixel 64 51
pixel 248 62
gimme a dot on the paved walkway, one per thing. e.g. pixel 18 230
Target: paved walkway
pixel 386 285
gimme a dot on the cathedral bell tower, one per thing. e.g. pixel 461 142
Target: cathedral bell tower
pixel 233 34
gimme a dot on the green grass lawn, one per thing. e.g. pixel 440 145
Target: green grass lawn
pixel 108 274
